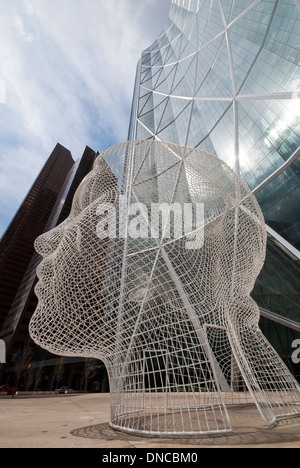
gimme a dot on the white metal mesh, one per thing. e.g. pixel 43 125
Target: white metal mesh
pixel 176 327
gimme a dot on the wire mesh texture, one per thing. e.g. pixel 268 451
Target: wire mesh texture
pixel 162 298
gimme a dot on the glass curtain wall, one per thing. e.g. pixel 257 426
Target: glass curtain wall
pixel 224 77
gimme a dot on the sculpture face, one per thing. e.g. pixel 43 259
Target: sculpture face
pixel 71 273
pixel 167 311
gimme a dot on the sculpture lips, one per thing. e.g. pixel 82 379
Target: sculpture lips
pixel 39 289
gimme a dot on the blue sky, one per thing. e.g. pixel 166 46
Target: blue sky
pixel 67 70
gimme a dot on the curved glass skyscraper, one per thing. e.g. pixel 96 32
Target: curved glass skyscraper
pixel 224 77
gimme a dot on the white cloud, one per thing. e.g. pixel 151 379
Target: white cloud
pixel 28 37
pixel 2 91
pixel 68 69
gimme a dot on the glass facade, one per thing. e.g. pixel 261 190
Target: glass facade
pixel 283 338
pixel 224 77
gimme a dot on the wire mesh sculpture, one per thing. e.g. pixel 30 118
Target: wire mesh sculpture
pixel 166 307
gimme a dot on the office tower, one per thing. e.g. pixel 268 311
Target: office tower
pixel 224 77
pixel 16 247
pixel 48 204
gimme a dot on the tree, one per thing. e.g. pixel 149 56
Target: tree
pixel 22 365
pixel 59 371
pixel 38 375
pixel 90 370
pixel 28 377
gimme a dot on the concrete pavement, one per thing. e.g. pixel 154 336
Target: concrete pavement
pixel 81 421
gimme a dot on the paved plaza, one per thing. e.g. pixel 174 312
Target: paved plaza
pixel 81 421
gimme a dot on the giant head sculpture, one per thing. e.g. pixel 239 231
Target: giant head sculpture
pixel 152 274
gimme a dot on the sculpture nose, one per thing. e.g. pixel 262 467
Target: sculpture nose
pixel 47 243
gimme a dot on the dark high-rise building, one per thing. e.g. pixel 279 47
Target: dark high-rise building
pixel 47 205
pixel 17 243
